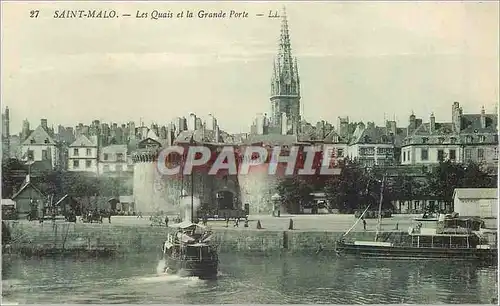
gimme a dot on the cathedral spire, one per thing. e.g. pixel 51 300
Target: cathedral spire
pixel 285 84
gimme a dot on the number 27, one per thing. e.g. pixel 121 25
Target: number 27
pixel 34 14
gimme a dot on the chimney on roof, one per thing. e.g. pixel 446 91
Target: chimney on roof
pixel 43 123
pixel 483 118
pixel 432 125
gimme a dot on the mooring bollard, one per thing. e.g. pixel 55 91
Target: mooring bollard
pixel 259 226
pixel 290 225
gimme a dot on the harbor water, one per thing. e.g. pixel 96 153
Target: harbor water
pixel 249 279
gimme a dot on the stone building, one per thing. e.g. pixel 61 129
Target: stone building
pixel 115 161
pixel 40 145
pixel 83 155
pixel 468 137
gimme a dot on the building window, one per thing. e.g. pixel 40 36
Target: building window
pixel 440 155
pixel 106 156
pixel 32 141
pixel 468 139
pixel 468 154
pixel 495 153
pixel 76 164
pixel 441 139
pixel 119 156
pixel 425 140
pixel 31 155
pixel 105 168
pixel 89 152
pixel 480 153
pixel 75 152
pixel 453 154
pixel 119 168
pixel 45 155
pixel 47 140
pixel 495 138
pixel 453 140
pixel 340 152
pixel 88 163
pixel 424 154
pixel 404 156
pixel 482 138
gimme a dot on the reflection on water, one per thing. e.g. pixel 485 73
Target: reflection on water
pixel 245 279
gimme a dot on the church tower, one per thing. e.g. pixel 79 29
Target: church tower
pixel 285 85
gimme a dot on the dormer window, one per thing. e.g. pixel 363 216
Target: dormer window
pixel 32 141
pixel 468 139
pixel 47 140
pixel 482 138
pixel 425 140
pixel 453 140
pixel 441 139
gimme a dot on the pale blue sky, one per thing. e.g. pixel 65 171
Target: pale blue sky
pixel 355 59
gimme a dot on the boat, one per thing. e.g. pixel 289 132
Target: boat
pixel 188 252
pixel 442 237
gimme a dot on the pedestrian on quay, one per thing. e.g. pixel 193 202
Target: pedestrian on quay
pixel 364 224
pixel 109 216
pixel 166 221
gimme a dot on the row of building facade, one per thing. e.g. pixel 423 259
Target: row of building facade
pixel 127 149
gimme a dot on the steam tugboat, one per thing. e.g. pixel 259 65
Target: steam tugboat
pixel 189 252
pixel 445 237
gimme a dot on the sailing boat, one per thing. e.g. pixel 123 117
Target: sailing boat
pixel 447 237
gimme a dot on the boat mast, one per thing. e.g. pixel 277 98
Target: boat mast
pixel 192 196
pixel 192 184
pixel 380 208
pixel 360 217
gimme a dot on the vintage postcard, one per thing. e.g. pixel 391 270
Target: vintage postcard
pixel 249 152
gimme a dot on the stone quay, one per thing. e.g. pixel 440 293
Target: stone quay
pixel 127 235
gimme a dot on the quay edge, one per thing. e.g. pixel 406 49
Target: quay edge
pixel 33 238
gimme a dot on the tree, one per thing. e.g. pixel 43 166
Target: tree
pixel 294 191
pixel 352 189
pixel 447 176
pixel 12 176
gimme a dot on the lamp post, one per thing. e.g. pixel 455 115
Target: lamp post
pixel 276 199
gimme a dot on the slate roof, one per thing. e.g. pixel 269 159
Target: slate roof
pixel 132 145
pixel 114 149
pixel 24 186
pixel 82 141
pixel 471 123
pixel 439 129
pixel 371 134
pixel 203 136
pixel 39 136
pixel 334 137
pixel 271 139
pixel 152 135
pixel 476 193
